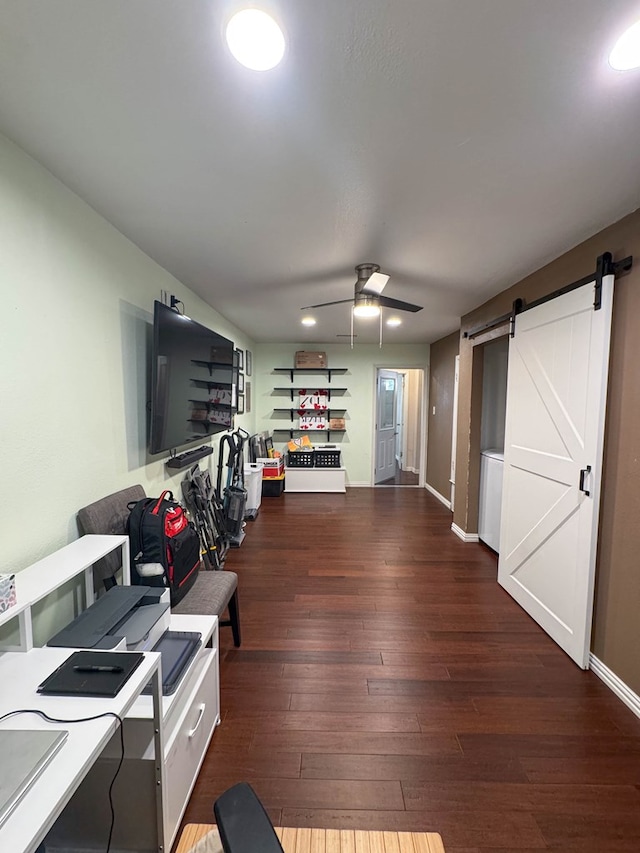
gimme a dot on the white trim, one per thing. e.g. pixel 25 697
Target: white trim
pixel 466 537
pixel 454 430
pixel 423 386
pixel 437 494
pixel 359 484
pixel 616 684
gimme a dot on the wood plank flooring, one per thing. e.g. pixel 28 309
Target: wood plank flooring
pixel 386 681
pixel 401 478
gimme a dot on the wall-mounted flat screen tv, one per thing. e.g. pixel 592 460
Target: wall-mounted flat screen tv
pixel 193 391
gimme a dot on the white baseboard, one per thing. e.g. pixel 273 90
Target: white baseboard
pixel 437 494
pixel 617 685
pixel 466 537
pixel 359 485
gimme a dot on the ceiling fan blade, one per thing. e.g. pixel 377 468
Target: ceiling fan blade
pixel 387 302
pixel 324 304
pixel 375 283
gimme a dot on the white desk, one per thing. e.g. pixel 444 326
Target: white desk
pixel 20 674
pixel 151 795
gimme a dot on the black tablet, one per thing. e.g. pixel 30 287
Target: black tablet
pixel 91 673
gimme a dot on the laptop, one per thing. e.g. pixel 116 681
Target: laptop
pixel 23 756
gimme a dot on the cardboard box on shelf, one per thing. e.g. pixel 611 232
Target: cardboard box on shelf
pixel 336 423
pixel 309 358
pixel 301 443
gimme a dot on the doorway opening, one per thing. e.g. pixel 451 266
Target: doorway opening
pixel 487 417
pixel 398 456
pixel 495 358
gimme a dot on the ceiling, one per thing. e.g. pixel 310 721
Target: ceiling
pixel 458 144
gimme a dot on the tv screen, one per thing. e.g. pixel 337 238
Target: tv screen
pixel 193 390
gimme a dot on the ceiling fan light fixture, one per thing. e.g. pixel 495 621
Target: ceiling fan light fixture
pixel 308 321
pixel 394 321
pixel 626 51
pixel 255 40
pixel 366 306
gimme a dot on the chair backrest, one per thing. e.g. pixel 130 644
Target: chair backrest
pixel 108 516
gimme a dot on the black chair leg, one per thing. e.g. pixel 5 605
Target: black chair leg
pixel 234 618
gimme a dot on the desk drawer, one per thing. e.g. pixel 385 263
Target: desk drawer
pixel 186 744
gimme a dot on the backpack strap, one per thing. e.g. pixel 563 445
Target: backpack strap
pixel 139 508
pixel 162 498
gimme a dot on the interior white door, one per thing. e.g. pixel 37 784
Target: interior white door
pixel 386 424
pixel 556 397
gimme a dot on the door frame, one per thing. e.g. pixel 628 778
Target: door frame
pixel 454 433
pixel 421 416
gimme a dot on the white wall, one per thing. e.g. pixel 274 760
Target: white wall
pixel 361 361
pixel 77 305
pixel 77 300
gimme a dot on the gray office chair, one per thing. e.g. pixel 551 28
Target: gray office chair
pixel 212 594
pixel 243 823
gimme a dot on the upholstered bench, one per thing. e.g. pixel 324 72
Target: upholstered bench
pixel 212 594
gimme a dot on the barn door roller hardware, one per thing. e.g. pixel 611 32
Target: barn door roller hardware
pixel 605 265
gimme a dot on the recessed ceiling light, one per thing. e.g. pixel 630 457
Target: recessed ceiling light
pixel 394 321
pixel 255 39
pixel 626 52
pixel 308 321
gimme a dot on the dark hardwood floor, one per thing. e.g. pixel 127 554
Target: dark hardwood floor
pixel 401 478
pixel 386 681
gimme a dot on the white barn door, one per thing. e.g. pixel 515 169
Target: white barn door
pixel 556 397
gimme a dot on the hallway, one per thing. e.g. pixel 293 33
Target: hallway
pixel 401 478
pixel 386 681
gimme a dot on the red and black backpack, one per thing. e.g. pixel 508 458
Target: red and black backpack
pixel 162 536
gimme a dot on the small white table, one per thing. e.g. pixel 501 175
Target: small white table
pixel 315 480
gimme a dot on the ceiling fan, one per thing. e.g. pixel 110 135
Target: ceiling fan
pixel 368 299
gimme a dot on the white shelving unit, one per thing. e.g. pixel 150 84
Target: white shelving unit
pixel 319 377
pixel 44 577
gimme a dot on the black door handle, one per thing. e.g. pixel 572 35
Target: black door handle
pixel 583 474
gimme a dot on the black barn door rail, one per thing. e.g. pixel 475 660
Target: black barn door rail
pixel 605 265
